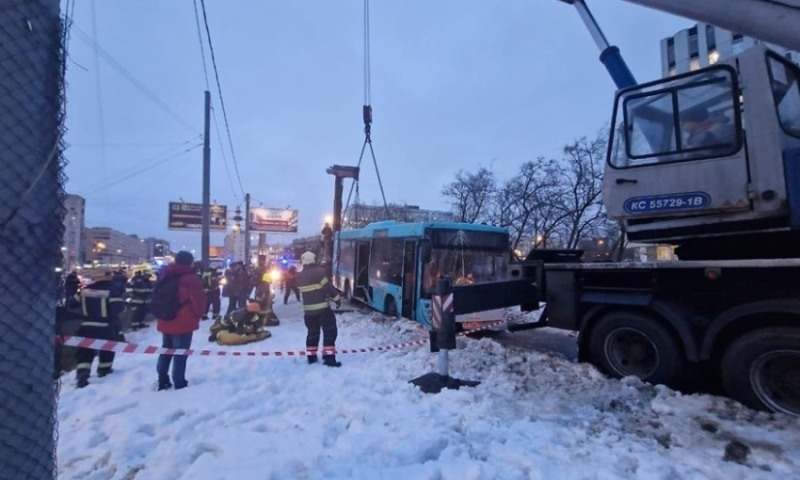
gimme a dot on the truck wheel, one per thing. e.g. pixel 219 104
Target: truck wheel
pixel 626 343
pixel 762 370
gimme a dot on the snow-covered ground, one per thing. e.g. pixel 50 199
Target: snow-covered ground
pixel 534 416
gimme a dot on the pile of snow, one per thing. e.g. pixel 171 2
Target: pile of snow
pixel 534 416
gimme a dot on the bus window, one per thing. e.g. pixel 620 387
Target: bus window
pixel 386 260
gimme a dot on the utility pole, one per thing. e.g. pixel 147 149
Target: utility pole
pixel 247 228
pixel 205 242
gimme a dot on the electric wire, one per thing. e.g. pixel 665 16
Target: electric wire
pixel 221 98
pixel 133 80
pixel 213 111
pixel 148 161
pixel 202 48
pixel 99 92
pixel 160 162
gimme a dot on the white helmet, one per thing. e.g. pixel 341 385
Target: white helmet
pixel 308 258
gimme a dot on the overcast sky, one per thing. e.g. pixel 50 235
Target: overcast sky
pixel 455 84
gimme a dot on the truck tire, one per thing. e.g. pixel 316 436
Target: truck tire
pixel 762 370
pixel 627 343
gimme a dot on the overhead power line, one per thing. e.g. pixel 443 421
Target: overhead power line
pixel 213 111
pixel 202 48
pixel 221 98
pixel 131 78
pixel 146 166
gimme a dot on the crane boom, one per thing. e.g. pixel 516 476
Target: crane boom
pixel 773 21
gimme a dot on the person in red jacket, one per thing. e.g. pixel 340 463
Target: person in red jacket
pixel 177 333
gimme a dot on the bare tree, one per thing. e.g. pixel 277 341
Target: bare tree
pixel 580 201
pixel 470 194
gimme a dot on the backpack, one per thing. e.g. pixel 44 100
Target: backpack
pixel 165 302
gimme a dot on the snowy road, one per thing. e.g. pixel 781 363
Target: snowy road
pixel 535 416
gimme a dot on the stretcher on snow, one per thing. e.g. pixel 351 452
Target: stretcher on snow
pixel 232 338
pixel 243 326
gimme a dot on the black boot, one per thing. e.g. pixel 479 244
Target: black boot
pixel 164 386
pixel 330 361
pixel 102 372
pixel 312 359
pixel 83 381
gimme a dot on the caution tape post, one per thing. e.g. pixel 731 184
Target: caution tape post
pixel 444 336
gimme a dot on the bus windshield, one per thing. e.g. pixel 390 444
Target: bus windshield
pixel 467 257
pixel 464 266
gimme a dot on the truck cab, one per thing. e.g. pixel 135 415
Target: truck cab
pixel 711 157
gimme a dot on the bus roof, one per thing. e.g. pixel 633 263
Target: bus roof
pixel 398 229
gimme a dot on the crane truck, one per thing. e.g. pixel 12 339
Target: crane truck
pixel 709 162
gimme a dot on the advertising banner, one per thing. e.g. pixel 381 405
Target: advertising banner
pixel 189 216
pixel 275 220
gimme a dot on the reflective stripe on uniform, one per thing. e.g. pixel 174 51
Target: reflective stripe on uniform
pixel 311 288
pixel 93 324
pixel 103 307
pixel 315 306
pixel 84 366
pixel 105 364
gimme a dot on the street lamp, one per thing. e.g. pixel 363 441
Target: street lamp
pixel 329 218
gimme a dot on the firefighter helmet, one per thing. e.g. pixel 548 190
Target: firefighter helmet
pixel 308 258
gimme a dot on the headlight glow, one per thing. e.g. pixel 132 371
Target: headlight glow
pixel 275 275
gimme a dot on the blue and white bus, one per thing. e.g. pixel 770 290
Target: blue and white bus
pixel 393 267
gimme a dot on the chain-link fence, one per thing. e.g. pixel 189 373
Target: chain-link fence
pixel 31 231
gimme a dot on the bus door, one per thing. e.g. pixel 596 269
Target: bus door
pixel 361 289
pixel 409 279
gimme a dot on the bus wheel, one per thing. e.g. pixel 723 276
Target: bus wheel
pixel 390 307
pixel 762 370
pixel 628 343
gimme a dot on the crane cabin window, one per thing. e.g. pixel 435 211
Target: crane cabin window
pixel 785 79
pixel 688 117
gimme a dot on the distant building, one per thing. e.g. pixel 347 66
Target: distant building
pixel 234 245
pixel 704 45
pixel 300 246
pixel 359 215
pixel 74 226
pixel 106 246
pixel 156 247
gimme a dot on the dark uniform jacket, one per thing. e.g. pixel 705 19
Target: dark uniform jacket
pixel 140 290
pixel 316 289
pixel 102 303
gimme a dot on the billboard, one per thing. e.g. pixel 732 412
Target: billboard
pixel 275 220
pixel 189 216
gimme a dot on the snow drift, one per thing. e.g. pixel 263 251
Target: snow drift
pixel 534 416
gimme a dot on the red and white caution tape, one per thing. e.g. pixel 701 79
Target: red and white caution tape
pixel 125 347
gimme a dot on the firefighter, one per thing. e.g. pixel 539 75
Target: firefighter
pixel 265 301
pixel 101 304
pixel 317 291
pixel 244 325
pixel 211 286
pixel 139 290
pixel 290 285
pixel 72 285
